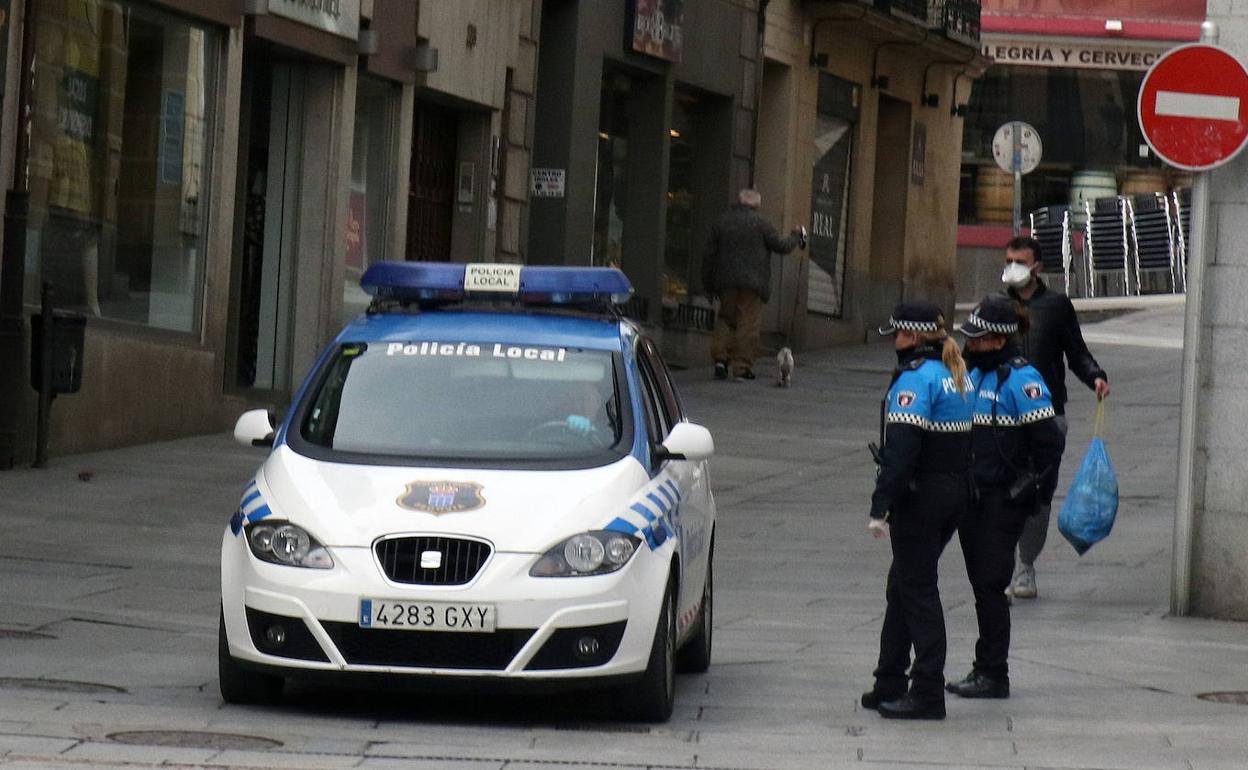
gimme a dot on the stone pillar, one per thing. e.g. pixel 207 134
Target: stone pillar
pixel 1216 580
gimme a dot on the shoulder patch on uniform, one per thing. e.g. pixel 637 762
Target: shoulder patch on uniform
pixel 1033 390
pixel 905 398
pixel 1018 362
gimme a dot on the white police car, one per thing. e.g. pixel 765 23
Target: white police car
pixel 490 478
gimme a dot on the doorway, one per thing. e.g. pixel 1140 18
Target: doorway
pixel 285 236
pixel 265 229
pixel 431 203
pixel 888 210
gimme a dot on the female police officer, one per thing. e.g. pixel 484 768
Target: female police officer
pixel 921 491
pixel 1016 447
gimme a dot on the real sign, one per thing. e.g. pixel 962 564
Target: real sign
pixel 1191 107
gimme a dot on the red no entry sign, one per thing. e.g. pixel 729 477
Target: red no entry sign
pixel 1193 107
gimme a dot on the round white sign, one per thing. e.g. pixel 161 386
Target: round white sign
pixel 1030 148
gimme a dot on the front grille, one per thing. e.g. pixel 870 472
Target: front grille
pixel 460 559
pixel 427 649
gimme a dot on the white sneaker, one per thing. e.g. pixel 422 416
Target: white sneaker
pixel 1024 585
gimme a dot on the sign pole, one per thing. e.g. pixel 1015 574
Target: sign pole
pixel 1184 514
pixel 1016 165
pixel 1016 148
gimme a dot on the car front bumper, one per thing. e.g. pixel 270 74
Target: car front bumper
pixel 305 621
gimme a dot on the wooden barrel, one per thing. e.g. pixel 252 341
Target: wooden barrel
pixel 1141 182
pixel 1088 186
pixel 1178 179
pixel 994 195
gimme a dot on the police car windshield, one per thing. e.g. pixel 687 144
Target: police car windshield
pixel 451 400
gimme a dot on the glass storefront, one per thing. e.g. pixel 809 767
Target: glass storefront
pixel 680 253
pixel 118 171
pixel 611 174
pixel 372 185
pixel 1086 120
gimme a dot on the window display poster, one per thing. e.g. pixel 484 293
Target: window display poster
pixel 828 207
pixel 172 130
pixel 74 140
pixel 835 117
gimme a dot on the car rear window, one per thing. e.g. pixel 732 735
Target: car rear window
pixel 453 401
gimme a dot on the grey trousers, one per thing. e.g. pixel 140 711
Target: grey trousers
pixel 1036 530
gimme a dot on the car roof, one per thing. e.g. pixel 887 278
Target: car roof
pixel 592 332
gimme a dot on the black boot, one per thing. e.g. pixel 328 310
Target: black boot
pixel 911 706
pixel 873 698
pixel 976 685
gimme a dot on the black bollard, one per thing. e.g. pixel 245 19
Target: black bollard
pixel 47 330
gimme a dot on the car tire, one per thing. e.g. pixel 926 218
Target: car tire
pixel 652 698
pixel 694 656
pixel 239 685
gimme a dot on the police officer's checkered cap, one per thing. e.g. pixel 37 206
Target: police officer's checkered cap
pixel 996 314
pixel 914 316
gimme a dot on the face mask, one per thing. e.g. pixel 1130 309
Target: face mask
pixel 1016 275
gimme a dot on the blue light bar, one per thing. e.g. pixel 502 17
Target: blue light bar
pixel 538 284
pixel 570 285
pixel 407 281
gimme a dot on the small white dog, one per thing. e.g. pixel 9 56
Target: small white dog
pixel 784 362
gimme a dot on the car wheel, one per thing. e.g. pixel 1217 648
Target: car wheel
pixel 652 698
pixel 695 656
pixel 239 685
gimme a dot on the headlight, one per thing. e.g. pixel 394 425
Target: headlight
pixel 280 542
pixel 589 553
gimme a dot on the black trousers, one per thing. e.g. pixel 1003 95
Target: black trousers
pixel 989 533
pixel 920 529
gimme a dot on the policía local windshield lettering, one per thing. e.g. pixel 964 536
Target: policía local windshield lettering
pixel 474 350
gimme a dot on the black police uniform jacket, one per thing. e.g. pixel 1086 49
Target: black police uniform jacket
pixel 926 427
pixel 1015 441
pixel 1055 333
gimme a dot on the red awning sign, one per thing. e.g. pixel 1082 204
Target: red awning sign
pixel 1193 107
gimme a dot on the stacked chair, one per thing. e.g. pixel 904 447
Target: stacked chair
pixel 1153 234
pixel 1132 244
pixel 1181 202
pixel 1051 227
pixel 1107 246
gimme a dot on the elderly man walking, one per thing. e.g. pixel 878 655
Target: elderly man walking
pixel 736 268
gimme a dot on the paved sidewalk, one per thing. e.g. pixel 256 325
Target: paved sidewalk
pixel 108 579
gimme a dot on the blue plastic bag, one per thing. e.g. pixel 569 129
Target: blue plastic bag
pixel 1089 509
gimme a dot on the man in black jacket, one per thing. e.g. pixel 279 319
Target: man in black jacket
pixel 737 268
pixel 1054 334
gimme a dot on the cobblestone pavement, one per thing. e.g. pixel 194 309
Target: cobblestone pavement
pixel 109 595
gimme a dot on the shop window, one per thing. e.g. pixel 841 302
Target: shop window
pixel 118 169
pixel 678 255
pixel 369 222
pixel 1092 143
pixel 697 190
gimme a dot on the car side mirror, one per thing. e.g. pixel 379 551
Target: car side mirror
pixel 254 428
pixel 686 441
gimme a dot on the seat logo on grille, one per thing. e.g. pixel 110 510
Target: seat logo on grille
pixel 438 497
pixel 430 559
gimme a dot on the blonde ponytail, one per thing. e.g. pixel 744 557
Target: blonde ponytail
pixel 952 358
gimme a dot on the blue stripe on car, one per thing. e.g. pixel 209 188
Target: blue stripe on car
pixel 663 507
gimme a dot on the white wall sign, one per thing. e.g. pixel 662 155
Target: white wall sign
pixel 338 17
pixel 1079 54
pixel 546 182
